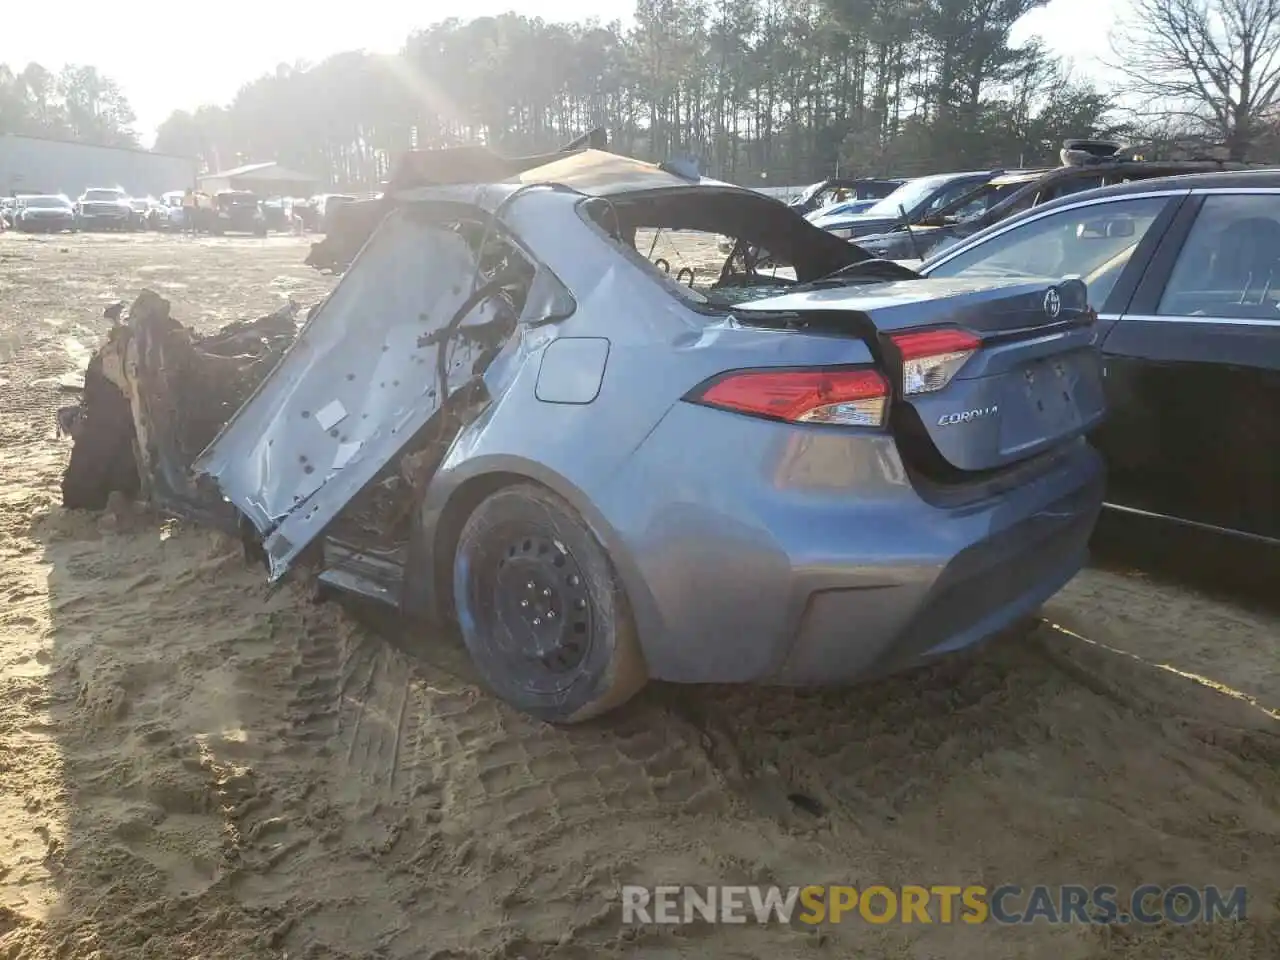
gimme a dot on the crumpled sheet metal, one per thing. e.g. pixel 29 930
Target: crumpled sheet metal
pixel 180 388
pixel 358 384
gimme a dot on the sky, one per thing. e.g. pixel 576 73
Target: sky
pixel 168 56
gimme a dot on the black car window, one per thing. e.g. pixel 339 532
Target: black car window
pixel 1076 185
pixel 951 193
pixel 1230 264
pixel 1092 242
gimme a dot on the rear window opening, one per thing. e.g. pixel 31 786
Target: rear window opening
pixel 715 249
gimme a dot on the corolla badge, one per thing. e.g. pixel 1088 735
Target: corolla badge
pixel 968 416
pixel 1052 303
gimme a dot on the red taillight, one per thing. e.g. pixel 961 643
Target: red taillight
pixel 847 397
pixel 931 358
pixel 930 343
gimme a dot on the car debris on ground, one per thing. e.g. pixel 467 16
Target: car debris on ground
pixel 154 395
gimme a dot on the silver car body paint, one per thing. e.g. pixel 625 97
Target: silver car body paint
pixel 355 387
pixel 572 370
pixel 748 549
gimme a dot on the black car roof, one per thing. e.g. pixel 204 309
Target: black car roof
pixel 1267 177
pixel 1234 179
pixel 1145 170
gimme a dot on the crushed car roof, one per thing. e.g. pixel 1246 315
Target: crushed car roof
pixel 599 173
pixel 479 177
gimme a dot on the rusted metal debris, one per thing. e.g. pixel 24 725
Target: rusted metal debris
pixel 156 393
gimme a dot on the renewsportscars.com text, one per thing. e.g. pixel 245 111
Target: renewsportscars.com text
pixel 1007 904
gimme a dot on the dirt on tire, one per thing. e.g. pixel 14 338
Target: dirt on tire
pixel 195 764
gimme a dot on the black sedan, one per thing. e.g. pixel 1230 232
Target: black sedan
pixel 1184 273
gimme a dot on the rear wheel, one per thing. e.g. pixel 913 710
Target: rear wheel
pixel 541 610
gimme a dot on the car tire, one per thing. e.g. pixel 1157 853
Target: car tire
pixel 577 655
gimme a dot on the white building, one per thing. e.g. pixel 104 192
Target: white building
pixel 39 165
pixel 265 179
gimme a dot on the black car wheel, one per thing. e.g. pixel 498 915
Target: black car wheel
pixel 541 610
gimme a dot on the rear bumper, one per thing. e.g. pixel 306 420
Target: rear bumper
pixel 985 588
pixel 818 561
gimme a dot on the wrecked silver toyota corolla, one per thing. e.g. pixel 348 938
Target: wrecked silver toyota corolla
pixel 505 416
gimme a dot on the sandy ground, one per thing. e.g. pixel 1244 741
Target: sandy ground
pixel 193 765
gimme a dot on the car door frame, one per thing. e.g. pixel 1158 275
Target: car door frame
pixel 1167 440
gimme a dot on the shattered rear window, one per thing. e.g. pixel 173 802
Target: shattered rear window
pixel 694 266
pixel 691 264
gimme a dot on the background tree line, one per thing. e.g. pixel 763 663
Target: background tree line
pixel 78 103
pixel 761 91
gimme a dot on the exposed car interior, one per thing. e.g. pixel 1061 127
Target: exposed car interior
pixel 674 235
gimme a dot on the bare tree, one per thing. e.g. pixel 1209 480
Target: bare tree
pixel 1215 63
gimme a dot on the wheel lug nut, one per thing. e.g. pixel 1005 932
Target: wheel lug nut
pixel 529 585
pixel 524 603
pixel 551 614
pixel 546 591
pixel 537 621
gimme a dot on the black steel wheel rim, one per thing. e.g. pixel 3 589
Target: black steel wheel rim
pixel 532 606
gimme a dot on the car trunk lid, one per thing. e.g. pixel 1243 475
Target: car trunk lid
pixel 1020 373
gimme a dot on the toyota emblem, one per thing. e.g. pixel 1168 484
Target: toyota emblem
pixel 1052 303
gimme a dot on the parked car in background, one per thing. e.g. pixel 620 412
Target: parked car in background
pixel 46 214
pixel 842 208
pixel 916 239
pixel 1184 273
pixel 161 215
pixel 8 206
pixel 1012 193
pixel 140 208
pixel 324 209
pixel 838 189
pixel 234 211
pixel 105 208
pixel 276 214
pixel 911 201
